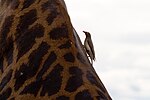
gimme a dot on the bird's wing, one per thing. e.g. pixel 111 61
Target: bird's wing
pixel 92 47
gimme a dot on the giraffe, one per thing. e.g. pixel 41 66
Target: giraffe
pixel 41 55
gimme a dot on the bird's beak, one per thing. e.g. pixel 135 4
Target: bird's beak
pixel 84 31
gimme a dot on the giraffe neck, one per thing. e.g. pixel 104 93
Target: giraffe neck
pixel 41 55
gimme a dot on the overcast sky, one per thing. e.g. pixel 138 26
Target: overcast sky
pixel 121 35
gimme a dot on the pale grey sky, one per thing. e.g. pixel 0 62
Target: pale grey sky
pixel 121 35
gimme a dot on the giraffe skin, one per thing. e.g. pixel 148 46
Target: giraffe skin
pixel 41 55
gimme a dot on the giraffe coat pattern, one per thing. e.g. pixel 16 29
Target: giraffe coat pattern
pixel 41 56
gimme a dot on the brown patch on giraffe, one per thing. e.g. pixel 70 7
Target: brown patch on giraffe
pixel 75 81
pixel 66 45
pixel 32 88
pixel 55 79
pixel 50 18
pixel 5 94
pixel 1 63
pixel 5 80
pixel 27 3
pixel 9 50
pixel 69 57
pixel 62 98
pixel 4 32
pixel 45 6
pixel 48 5
pixel 25 20
pixel 47 64
pixel 52 9
pixel 27 71
pixel 27 39
pixel 83 95
pixel 59 32
pixel 21 76
pixel 6 26
pixel 51 5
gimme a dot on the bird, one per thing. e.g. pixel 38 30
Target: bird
pixel 88 45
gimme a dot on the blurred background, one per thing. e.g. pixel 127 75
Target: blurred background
pixel 121 35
